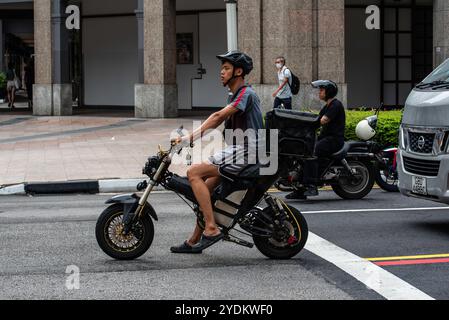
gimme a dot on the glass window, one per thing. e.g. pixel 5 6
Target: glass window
pixel 405 69
pixel 390 94
pixel 405 44
pixel 390 69
pixel 390 44
pixel 390 19
pixel 441 73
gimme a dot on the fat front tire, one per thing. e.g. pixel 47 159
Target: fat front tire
pixel 281 249
pixel 350 189
pixel 119 246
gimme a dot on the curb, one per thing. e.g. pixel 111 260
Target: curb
pixel 70 187
pixel 83 186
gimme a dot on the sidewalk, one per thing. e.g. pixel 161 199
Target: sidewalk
pixel 55 149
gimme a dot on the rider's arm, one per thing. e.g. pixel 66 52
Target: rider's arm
pixel 281 86
pixel 330 114
pixel 214 121
pixel 324 120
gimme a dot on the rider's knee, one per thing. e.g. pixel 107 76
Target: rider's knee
pixel 192 173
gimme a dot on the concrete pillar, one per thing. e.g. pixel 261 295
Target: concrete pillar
pixel 250 35
pixel 308 33
pixel 331 44
pixel 140 31
pixel 62 87
pixel 286 30
pixel 52 94
pixel 157 96
pixel 1 46
pixel 42 92
pixel 440 31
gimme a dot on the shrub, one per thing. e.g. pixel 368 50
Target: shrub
pixel 2 80
pixel 387 130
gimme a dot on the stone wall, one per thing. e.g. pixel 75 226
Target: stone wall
pixel 308 33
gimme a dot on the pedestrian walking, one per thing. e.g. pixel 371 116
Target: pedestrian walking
pixel 283 94
pixel 11 85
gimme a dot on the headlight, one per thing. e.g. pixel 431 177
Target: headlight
pixel 403 138
pixel 446 141
pixel 151 166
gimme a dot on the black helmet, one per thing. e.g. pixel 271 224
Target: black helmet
pixel 238 59
pixel 330 87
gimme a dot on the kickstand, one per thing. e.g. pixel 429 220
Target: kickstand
pixel 241 242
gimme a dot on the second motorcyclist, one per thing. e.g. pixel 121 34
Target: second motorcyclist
pixel 330 140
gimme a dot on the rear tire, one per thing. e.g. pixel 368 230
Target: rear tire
pixel 352 191
pixel 275 249
pixel 120 247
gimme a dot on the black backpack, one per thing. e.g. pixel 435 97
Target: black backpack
pixel 295 85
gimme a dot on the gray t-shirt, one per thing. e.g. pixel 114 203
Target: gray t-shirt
pixel 285 92
pixel 249 116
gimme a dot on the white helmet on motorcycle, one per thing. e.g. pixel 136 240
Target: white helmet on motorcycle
pixel 364 130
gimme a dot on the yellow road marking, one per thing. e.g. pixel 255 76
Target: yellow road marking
pixel 424 256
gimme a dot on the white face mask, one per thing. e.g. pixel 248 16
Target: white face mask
pixel 279 65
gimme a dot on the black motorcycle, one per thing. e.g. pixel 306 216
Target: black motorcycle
pixel 386 173
pixel 368 161
pixel 349 172
pixel 125 229
pixel 385 164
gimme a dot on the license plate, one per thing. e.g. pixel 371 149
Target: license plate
pixel 419 185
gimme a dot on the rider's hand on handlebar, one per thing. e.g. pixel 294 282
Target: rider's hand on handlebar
pixel 186 140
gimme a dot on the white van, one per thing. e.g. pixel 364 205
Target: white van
pixel 423 158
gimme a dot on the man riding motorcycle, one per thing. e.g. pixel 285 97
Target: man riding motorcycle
pixel 242 112
pixel 330 140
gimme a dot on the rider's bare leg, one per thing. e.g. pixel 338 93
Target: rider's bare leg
pixel 197 175
pixel 211 183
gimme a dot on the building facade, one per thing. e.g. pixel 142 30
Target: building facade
pixel 158 56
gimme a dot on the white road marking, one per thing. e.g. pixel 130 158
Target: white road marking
pixel 377 210
pixel 383 282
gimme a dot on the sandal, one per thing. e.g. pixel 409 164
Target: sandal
pixel 184 248
pixel 207 241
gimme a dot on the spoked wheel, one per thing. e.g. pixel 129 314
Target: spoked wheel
pixel 110 237
pixel 357 186
pixel 288 238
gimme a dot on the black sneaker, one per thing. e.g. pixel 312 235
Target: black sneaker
pixel 311 191
pixel 185 247
pixel 298 195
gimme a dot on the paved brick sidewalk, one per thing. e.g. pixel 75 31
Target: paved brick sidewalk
pixel 48 149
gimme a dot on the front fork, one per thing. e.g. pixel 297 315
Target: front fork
pixel 135 213
pixel 150 187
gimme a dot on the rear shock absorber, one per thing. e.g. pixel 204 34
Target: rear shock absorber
pixel 277 207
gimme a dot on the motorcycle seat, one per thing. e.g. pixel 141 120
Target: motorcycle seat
pixel 349 146
pixel 235 172
pixel 339 155
pixel 357 144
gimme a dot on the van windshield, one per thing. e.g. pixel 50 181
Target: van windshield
pixel 438 77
